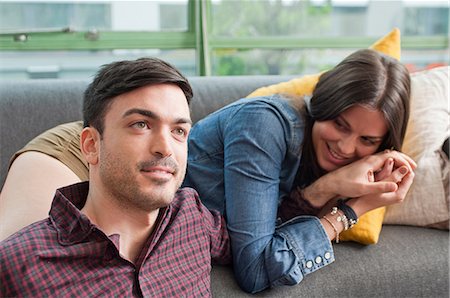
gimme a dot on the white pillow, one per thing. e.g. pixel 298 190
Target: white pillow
pixel 427 201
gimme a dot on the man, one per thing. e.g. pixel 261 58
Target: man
pixel 130 230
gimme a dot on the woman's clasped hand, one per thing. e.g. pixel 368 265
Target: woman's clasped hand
pixel 376 180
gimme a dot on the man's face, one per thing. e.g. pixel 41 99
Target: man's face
pixel 143 151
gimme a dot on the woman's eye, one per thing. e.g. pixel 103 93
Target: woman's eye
pixel 338 124
pixel 369 142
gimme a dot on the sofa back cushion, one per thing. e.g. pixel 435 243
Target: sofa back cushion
pixel 29 107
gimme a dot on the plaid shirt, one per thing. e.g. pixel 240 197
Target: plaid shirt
pixel 66 255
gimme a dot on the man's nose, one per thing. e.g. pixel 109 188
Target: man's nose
pixel 161 144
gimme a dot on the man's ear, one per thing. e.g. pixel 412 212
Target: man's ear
pixel 90 144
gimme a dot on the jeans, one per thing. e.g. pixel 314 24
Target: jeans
pixel 243 160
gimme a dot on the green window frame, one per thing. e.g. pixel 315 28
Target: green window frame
pixel 197 37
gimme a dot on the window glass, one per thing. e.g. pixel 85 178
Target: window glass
pixel 82 64
pixel 155 15
pixel 251 24
pixel 322 19
pixel 44 16
pixel 308 61
pixel 328 18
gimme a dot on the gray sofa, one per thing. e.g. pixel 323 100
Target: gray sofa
pixel 407 261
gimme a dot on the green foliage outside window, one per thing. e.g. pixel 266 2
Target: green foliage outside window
pixel 218 37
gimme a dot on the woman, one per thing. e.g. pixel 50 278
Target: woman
pixel 244 159
pixel 247 157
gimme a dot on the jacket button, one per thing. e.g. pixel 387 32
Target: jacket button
pixel 309 264
pixel 318 260
pixel 327 255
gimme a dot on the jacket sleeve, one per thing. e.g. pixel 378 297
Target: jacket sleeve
pixel 265 255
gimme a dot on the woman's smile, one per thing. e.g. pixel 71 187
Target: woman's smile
pixel 349 137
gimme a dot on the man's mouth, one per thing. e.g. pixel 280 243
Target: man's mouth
pixel 163 170
pixel 166 166
pixel 161 174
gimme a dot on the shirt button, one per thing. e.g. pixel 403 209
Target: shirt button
pixel 318 260
pixel 309 264
pixel 327 255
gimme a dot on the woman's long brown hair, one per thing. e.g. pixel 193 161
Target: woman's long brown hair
pixel 366 78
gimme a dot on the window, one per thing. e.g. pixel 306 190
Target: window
pixel 294 37
pixel 71 39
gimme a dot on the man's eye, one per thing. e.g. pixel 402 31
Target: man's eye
pixel 140 125
pixel 179 131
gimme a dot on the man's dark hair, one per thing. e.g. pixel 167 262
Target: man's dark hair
pixel 121 77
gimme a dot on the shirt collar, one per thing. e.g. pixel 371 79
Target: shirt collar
pixel 70 223
pixel 73 226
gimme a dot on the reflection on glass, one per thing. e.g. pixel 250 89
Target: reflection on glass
pixel 298 62
pixel 152 15
pixel 82 64
pixel 328 18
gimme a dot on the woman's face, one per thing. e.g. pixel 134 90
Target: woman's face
pixel 355 133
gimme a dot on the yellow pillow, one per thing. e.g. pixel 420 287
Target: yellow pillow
pixel 368 228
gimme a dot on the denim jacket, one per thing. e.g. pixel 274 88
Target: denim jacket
pixel 243 160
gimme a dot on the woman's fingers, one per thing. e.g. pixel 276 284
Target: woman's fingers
pixel 405 184
pixel 369 175
pixel 380 187
pixel 403 178
pixel 390 183
pixel 398 174
pixel 369 202
pixel 385 171
pixel 399 158
pixel 399 195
